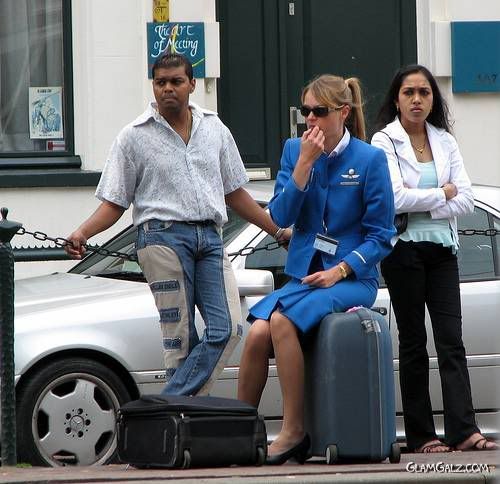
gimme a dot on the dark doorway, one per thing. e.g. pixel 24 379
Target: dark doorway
pixel 271 48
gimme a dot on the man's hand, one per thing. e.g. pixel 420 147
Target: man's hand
pixel 285 237
pixel 75 249
pixel 104 217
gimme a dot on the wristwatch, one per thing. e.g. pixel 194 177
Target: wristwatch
pixel 342 270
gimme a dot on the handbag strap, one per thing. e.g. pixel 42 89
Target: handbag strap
pixel 399 165
pixel 395 151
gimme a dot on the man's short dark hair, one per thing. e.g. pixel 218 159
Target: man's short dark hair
pixel 173 60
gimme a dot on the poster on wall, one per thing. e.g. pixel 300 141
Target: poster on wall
pixel 183 38
pixel 45 112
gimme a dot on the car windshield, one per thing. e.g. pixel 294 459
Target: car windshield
pixel 116 267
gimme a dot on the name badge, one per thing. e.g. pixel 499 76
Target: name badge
pixel 325 244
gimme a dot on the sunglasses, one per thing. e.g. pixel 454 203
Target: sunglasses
pixel 318 111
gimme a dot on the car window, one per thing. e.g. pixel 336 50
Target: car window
pixel 115 267
pixel 269 260
pixel 478 256
pixel 235 224
pixel 381 280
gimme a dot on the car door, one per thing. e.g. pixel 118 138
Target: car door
pixel 478 260
pixel 268 256
pixel 479 266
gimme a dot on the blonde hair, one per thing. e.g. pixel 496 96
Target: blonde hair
pixel 334 91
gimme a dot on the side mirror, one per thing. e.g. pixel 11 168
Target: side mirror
pixel 254 282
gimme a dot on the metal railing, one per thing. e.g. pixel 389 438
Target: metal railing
pixel 8 396
pixel 39 254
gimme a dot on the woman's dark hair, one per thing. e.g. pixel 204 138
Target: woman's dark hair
pixel 173 60
pixel 439 115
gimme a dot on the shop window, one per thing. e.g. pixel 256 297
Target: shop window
pixel 36 112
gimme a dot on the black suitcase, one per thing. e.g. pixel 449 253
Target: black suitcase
pixel 182 431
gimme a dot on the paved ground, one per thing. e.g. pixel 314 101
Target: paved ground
pixel 470 467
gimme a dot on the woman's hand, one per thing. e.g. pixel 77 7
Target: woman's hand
pixel 450 190
pixel 312 145
pixel 324 278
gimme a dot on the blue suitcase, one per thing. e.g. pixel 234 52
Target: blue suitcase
pixel 349 388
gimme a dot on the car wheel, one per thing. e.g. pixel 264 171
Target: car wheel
pixel 66 414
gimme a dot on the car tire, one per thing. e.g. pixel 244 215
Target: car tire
pixel 66 413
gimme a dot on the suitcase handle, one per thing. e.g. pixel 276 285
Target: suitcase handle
pixel 371 326
pixel 367 321
pixel 380 309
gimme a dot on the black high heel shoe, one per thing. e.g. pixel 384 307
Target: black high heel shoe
pixel 299 452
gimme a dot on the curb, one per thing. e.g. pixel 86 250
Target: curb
pixel 213 476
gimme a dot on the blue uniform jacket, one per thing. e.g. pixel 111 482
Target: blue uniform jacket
pixel 351 193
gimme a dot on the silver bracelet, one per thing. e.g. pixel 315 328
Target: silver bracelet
pixel 278 233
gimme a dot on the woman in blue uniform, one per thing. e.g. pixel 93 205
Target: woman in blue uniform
pixel 336 192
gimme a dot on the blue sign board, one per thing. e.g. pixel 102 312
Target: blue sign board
pixel 183 38
pixel 475 56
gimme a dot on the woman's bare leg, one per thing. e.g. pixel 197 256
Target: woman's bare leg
pixel 254 364
pixel 290 365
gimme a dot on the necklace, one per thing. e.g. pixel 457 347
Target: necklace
pixel 420 150
pixel 189 125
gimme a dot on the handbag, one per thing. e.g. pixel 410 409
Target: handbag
pixel 401 222
pixel 400 219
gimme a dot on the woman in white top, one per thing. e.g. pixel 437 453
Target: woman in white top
pixel 431 185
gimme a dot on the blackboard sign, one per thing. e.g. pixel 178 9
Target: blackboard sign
pixel 183 38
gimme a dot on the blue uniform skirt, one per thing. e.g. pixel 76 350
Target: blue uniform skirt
pixel 307 305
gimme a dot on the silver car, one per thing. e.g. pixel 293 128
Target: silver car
pixel 89 340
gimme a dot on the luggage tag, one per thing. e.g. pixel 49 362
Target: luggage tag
pixel 325 244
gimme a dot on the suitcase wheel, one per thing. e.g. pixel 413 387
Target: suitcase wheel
pixel 395 455
pixel 332 454
pixel 261 456
pixel 186 463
